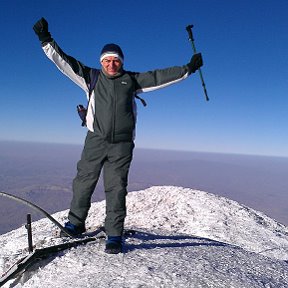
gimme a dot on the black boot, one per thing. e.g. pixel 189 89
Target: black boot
pixel 75 230
pixel 114 245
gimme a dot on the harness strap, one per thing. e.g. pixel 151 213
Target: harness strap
pixel 142 100
pixel 94 74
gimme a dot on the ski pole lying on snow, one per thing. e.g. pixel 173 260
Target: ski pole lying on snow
pixel 191 39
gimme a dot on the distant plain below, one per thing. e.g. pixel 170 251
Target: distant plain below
pixel 43 174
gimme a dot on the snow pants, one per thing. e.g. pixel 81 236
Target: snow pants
pixel 115 159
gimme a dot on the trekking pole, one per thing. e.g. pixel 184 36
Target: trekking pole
pixel 191 39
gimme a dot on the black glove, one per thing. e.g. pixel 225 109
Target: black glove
pixel 195 63
pixel 41 29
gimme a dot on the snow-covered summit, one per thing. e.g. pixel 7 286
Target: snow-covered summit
pixel 185 238
pixel 193 212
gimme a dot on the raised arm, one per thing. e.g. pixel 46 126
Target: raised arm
pixel 68 65
pixel 160 78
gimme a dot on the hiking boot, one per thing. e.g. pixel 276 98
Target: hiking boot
pixel 114 245
pixel 75 230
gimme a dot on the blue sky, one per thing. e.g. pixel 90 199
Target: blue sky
pixel 243 43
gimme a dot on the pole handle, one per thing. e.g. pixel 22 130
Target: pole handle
pixel 190 34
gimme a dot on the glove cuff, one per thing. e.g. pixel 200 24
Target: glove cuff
pixel 45 36
pixel 191 68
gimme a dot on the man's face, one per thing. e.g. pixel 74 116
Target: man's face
pixel 111 65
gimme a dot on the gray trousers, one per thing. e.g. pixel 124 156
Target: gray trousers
pixel 115 159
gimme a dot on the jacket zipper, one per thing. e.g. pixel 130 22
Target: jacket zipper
pixel 114 113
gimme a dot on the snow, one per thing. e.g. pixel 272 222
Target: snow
pixel 184 238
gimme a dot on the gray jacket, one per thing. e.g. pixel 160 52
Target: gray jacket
pixel 112 107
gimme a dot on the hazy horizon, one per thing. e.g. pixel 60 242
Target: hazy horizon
pixel 43 173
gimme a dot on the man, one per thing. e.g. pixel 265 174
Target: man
pixel 111 123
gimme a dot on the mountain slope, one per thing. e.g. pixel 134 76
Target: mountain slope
pixel 185 238
pixel 207 215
